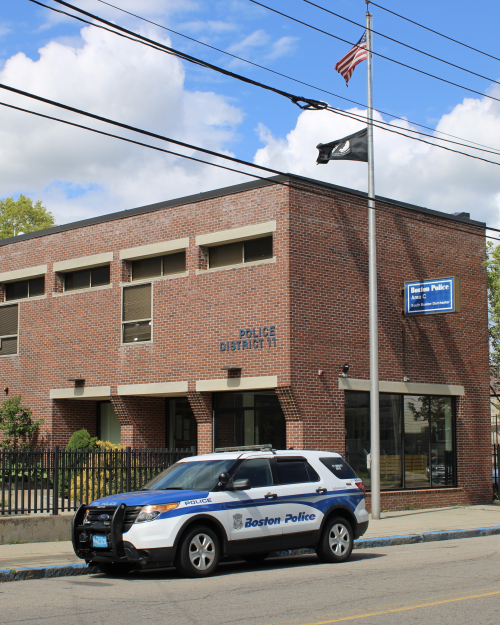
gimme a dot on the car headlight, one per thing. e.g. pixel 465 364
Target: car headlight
pixel 150 513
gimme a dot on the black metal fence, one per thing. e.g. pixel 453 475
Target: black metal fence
pixel 495 462
pixel 53 481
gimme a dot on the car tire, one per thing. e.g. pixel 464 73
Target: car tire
pixel 255 557
pixel 337 541
pixel 198 554
pixel 113 569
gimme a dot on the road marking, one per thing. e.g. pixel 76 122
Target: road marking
pixel 410 607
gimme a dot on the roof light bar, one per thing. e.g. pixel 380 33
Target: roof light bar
pixel 245 448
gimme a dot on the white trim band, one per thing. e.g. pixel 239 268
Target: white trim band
pixel 81 392
pixel 19 274
pixel 408 388
pixel 154 249
pixel 84 262
pixel 236 234
pixel 157 389
pixel 235 384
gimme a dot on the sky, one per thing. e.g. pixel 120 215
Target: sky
pixel 77 174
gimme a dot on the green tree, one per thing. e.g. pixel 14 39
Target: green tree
pixel 22 215
pixel 493 267
pixel 17 424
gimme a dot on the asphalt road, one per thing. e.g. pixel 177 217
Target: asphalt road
pixel 442 583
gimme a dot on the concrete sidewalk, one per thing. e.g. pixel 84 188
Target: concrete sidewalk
pixel 393 524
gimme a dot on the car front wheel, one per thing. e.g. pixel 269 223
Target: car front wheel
pixel 336 541
pixel 199 552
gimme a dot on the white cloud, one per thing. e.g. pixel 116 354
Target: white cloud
pixel 282 47
pixel 256 39
pixel 78 174
pixel 406 170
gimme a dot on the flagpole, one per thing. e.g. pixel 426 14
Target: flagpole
pixel 372 289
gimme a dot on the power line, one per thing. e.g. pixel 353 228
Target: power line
pixel 212 153
pixel 460 43
pixel 308 103
pixel 270 180
pixel 336 95
pixel 314 104
pixel 382 56
pixel 401 43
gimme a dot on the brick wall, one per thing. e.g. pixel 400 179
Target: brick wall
pixel 315 293
pixel 329 311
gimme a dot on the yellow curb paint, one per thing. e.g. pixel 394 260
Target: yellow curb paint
pixel 410 607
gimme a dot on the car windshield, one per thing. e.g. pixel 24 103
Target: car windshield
pixel 197 475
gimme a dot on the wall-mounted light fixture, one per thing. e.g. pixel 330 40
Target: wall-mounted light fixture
pixel 79 381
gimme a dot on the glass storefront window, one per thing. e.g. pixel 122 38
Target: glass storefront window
pixel 417 447
pixel 248 418
pixel 181 424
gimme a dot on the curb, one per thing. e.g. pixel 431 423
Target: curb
pixel 407 539
pixel 43 572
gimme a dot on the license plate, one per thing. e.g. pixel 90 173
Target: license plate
pixel 98 540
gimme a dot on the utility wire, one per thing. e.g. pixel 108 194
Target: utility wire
pixel 382 56
pixel 460 43
pixel 301 188
pixel 432 56
pixel 308 103
pixel 336 95
pixel 317 106
pixel 219 155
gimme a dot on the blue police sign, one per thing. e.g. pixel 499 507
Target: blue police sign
pixel 424 297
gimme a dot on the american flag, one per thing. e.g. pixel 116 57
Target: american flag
pixel 355 55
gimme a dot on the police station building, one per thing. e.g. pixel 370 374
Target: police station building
pixel 240 316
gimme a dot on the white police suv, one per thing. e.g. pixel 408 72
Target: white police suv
pixel 243 502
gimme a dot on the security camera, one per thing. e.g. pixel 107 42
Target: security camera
pixel 345 370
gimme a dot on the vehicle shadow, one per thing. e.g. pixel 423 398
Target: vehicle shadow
pixel 235 567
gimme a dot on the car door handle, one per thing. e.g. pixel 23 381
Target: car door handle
pixel 271 496
pixel 321 490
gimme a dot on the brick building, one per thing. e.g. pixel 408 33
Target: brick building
pixel 226 317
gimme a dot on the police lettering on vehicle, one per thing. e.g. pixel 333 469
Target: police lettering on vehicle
pixel 197 502
pixel 261 522
pixel 302 516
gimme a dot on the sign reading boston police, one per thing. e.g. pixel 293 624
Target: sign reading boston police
pixel 425 297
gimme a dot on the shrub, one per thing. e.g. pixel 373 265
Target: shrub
pixel 81 440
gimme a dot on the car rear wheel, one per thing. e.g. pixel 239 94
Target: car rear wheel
pixel 336 541
pixel 113 569
pixel 199 552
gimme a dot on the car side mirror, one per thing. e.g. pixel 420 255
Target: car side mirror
pixel 223 478
pixel 241 485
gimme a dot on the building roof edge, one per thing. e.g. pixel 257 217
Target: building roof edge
pixel 224 191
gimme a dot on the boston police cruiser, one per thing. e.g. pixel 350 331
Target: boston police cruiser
pixel 245 501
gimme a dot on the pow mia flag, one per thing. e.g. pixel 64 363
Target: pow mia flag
pixel 351 148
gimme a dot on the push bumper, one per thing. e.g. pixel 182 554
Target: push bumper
pixel 118 550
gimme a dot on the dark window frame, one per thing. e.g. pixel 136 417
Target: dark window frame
pixel 454 408
pixel 162 273
pixel 90 286
pixel 27 281
pixel 243 244
pixel 130 322
pixel 13 335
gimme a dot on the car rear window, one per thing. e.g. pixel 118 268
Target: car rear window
pixel 296 471
pixel 339 468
